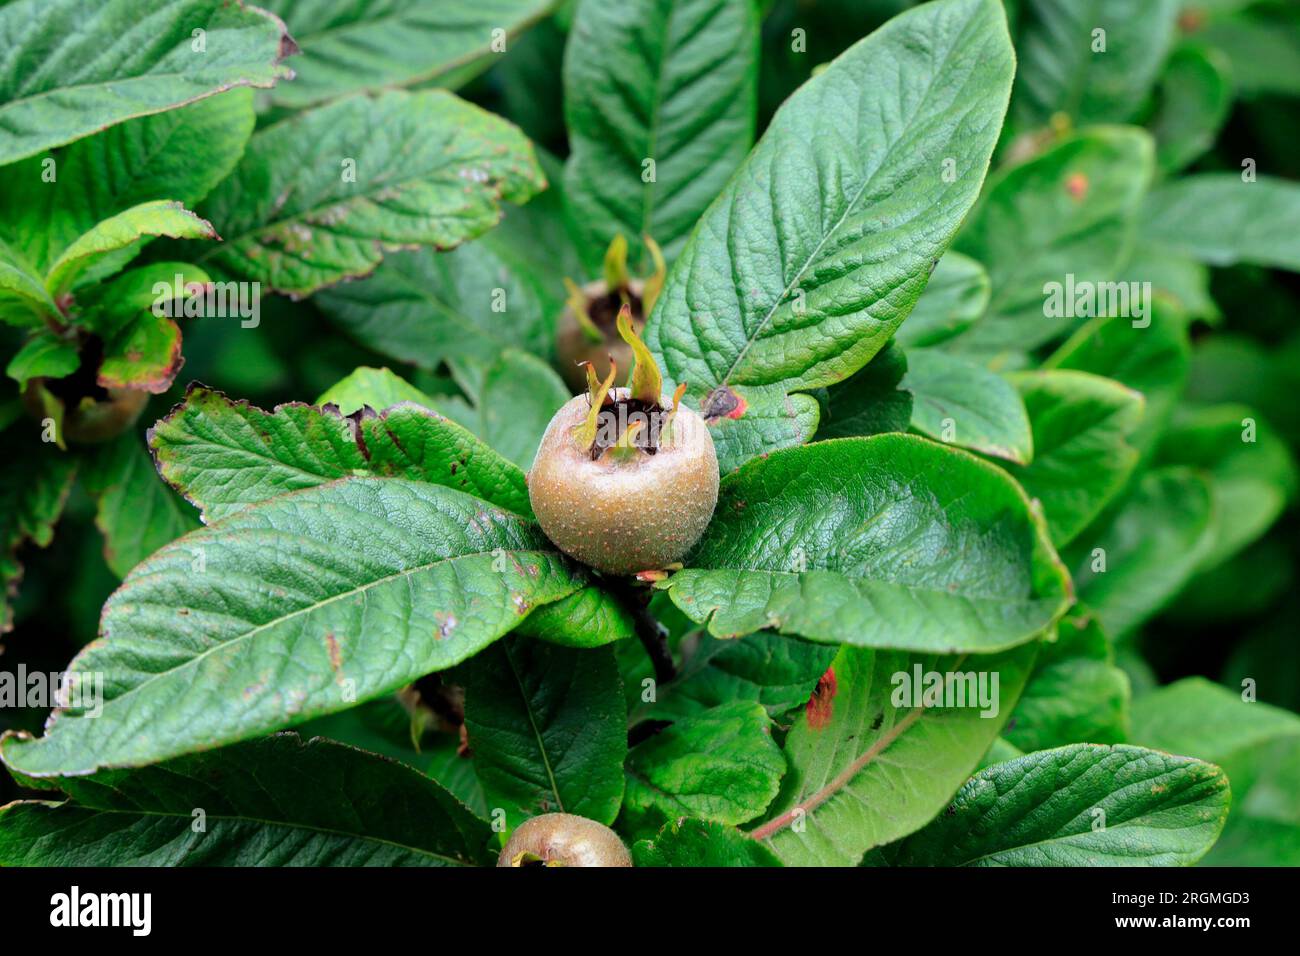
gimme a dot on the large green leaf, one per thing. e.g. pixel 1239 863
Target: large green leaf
pixel 1220 219
pixel 321 197
pixel 34 484
pixel 962 403
pixel 806 263
pixel 1144 551
pixel 426 306
pixel 354 45
pixel 516 397
pixel 136 512
pixel 674 82
pixel 957 295
pixel 720 765
pixel 224 455
pixel 546 729
pixel 379 388
pixel 890 541
pixel 1076 693
pixel 1195 98
pixel 72 69
pixel 44 355
pixel 1082 805
pixel 1082 458
pixel 1069 212
pixel 689 842
pixel 873 763
pixel 298 606
pixel 1259 748
pixel 1151 360
pixel 1067 67
pixel 271 802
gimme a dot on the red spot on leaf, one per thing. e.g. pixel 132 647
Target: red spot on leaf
pixel 1076 184
pixel 821 703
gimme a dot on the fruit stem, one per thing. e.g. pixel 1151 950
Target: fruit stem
pixel 652 635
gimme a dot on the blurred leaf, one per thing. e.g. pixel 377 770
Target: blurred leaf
pixel 962 403
pixel 669 81
pixel 44 355
pixel 1069 212
pixel 1259 748
pixel 1082 457
pixel 1195 97
pixel 870 401
pixel 135 509
pixel 1068 66
pixel 368 45
pixel 957 295
pixel 1076 693
pixel 1221 220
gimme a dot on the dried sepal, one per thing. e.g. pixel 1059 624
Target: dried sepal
pixel 655 284
pixel 645 383
pixel 586 433
pixel 577 303
pixel 616 264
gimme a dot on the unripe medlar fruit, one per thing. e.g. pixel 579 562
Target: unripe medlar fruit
pixel 625 479
pixel 562 839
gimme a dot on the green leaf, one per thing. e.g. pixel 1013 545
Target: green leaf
pixel 720 765
pixel 73 70
pixel 425 307
pixel 870 401
pixel 1195 97
pixel 816 250
pixel 772 419
pixel 1044 809
pixel 891 541
pixel 1258 747
pixel 776 671
pixel 321 197
pixel 588 618
pixel 1082 458
pixel 44 355
pixel 1251 469
pixel 1221 220
pixel 520 394
pixel 672 82
pixel 547 729
pixel 224 456
pixel 1062 69
pixel 379 388
pixel 24 300
pixel 872 763
pixel 272 802
pixel 1260 42
pixel 179 155
pixel 957 295
pixel 688 842
pixel 1076 692
pixel 301 605
pixel 962 403
pixel 136 512
pixel 1127 569
pixel 1069 212
pixel 123 232
pixel 351 46
pixel 1151 360
pixel 34 483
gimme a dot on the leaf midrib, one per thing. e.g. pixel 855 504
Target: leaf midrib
pixel 849 207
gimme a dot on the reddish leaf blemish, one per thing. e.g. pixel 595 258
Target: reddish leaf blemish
pixel 723 402
pixel 821 703
pixel 1076 184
